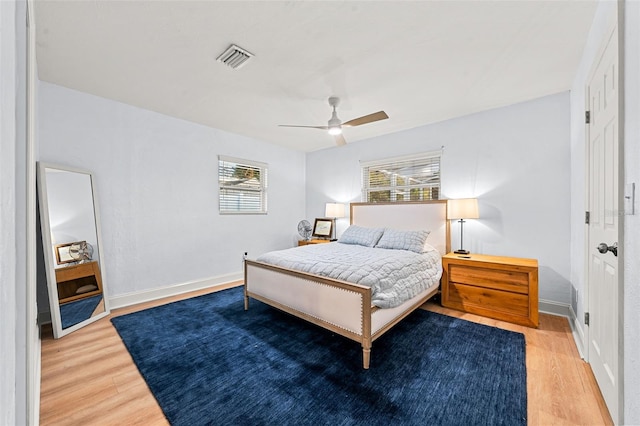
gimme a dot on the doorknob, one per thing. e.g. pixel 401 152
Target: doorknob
pixel 603 248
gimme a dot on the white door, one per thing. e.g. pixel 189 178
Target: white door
pixel 602 236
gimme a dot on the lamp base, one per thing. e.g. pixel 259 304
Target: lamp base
pixel 461 251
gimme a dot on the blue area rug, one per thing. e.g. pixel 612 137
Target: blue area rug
pixel 77 311
pixel 209 362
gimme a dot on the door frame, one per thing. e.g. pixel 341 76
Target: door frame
pixel 33 342
pixel 615 22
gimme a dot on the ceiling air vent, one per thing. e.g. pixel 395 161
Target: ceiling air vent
pixel 234 57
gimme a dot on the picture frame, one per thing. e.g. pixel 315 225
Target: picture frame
pixel 62 253
pixel 322 228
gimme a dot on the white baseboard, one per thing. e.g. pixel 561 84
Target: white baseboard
pixel 553 308
pixel 128 299
pixel 34 409
pixel 577 331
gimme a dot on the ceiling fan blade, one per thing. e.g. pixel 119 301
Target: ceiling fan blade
pixel 340 141
pixel 307 127
pixel 376 116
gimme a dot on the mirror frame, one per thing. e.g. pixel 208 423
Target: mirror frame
pixel 54 304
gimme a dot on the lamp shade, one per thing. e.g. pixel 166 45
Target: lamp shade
pixel 464 208
pixel 334 210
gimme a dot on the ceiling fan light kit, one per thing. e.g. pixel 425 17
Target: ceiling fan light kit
pixel 334 122
pixel 334 125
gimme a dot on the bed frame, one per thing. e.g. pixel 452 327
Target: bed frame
pixel 340 306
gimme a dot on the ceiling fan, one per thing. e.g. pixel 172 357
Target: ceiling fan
pixel 335 125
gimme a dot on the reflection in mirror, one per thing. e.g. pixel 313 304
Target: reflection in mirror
pixel 71 240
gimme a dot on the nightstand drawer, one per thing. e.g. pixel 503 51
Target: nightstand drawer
pixel 513 281
pixel 500 287
pixel 466 296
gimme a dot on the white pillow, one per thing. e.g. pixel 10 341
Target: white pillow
pixel 428 247
pixel 360 235
pixel 404 240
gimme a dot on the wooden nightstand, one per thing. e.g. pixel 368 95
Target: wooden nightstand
pixel 307 242
pixel 71 278
pixel 504 288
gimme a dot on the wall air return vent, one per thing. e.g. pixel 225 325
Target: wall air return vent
pixel 234 57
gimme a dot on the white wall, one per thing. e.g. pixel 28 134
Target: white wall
pixel 156 179
pixel 13 193
pixel 8 237
pixel 514 159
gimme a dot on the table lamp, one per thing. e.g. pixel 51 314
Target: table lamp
pixel 461 209
pixel 334 211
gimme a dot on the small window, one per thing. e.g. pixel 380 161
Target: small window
pixel 415 178
pixel 243 186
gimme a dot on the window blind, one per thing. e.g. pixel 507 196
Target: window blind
pixel 243 186
pixel 414 178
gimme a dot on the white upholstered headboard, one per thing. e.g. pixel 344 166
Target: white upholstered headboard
pixel 430 215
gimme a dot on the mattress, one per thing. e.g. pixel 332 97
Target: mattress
pixel 394 276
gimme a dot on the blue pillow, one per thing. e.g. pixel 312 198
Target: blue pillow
pixel 361 236
pixel 404 240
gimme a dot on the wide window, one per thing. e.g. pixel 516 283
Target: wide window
pixel 243 186
pixel 414 178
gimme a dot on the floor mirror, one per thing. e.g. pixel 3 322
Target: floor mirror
pixel 72 246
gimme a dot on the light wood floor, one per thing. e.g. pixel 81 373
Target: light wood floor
pixel 88 377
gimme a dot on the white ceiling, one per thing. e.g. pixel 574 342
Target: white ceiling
pixel 420 61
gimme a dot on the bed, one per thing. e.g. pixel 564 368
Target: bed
pixel 343 307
